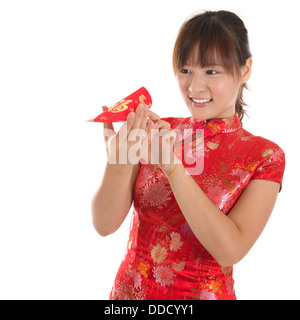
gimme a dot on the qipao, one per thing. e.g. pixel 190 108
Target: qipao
pixel 163 259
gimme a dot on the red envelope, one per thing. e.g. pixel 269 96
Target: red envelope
pixel 121 109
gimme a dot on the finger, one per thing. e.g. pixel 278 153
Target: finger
pixel 127 126
pixel 147 131
pixel 172 135
pixel 152 130
pixel 161 124
pixel 150 125
pixel 164 133
pixel 170 139
pixel 144 118
pixel 107 125
pixel 153 116
pixel 146 140
pixel 108 128
pixel 155 135
pixel 139 115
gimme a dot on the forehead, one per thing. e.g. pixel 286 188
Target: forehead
pixel 199 57
pixel 209 54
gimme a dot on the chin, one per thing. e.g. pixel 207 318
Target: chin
pixel 200 114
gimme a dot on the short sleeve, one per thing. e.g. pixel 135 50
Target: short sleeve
pixel 272 166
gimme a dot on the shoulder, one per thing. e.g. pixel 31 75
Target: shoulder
pixel 260 146
pixel 266 157
pixel 261 157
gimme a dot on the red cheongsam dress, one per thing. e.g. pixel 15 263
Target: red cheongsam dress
pixel 164 260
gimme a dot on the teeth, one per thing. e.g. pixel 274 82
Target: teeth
pixel 201 100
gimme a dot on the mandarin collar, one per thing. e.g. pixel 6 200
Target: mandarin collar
pixel 212 127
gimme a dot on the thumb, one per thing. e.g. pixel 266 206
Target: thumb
pixel 108 128
pixel 107 125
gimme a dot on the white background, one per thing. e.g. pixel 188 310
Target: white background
pixel 60 61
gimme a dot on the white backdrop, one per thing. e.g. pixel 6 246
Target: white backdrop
pixel 60 61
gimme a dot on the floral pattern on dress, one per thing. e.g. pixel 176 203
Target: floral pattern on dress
pixel 156 195
pixel 163 275
pixel 175 243
pixel 158 254
pixel 164 260
pixel 218 196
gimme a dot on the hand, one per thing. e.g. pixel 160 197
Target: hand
pixel 160 149
pixel 125 146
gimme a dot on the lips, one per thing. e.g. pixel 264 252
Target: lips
pixel 201 100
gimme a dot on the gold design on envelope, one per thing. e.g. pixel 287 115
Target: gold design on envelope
pixel 144 100
pixel 120 106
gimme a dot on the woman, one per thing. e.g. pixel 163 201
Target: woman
pixel 189 227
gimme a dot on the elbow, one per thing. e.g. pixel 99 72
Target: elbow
pixel 229 259
pixel 98 223
pixel 106 221
pixel 100 226
pixel 227 262
pixel 102 231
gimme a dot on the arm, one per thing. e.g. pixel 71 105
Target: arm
pixel 113 200
pixel 227 238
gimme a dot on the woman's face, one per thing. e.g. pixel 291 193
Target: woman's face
pixel 209 92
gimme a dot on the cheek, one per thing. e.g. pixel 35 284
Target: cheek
pixel 221 87
pixel 183 85
pixel 226 89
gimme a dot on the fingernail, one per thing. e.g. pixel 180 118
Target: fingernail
pixel 131 115
pixel 141 107
pixel 146 108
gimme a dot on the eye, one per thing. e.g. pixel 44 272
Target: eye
pixel 211 72
pixel 185 71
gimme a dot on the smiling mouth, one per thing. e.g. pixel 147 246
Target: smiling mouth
pixel 200 100
pixel 200 103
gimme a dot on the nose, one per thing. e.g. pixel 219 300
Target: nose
pixel 197 85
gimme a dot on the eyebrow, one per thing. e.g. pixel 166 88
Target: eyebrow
pixel 207 66
pixel 214 65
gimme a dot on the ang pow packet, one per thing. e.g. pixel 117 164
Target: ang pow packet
pixel 120 110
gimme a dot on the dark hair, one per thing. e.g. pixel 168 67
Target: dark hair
pixel 219 37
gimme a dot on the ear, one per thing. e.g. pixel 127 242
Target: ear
pixel 246 70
